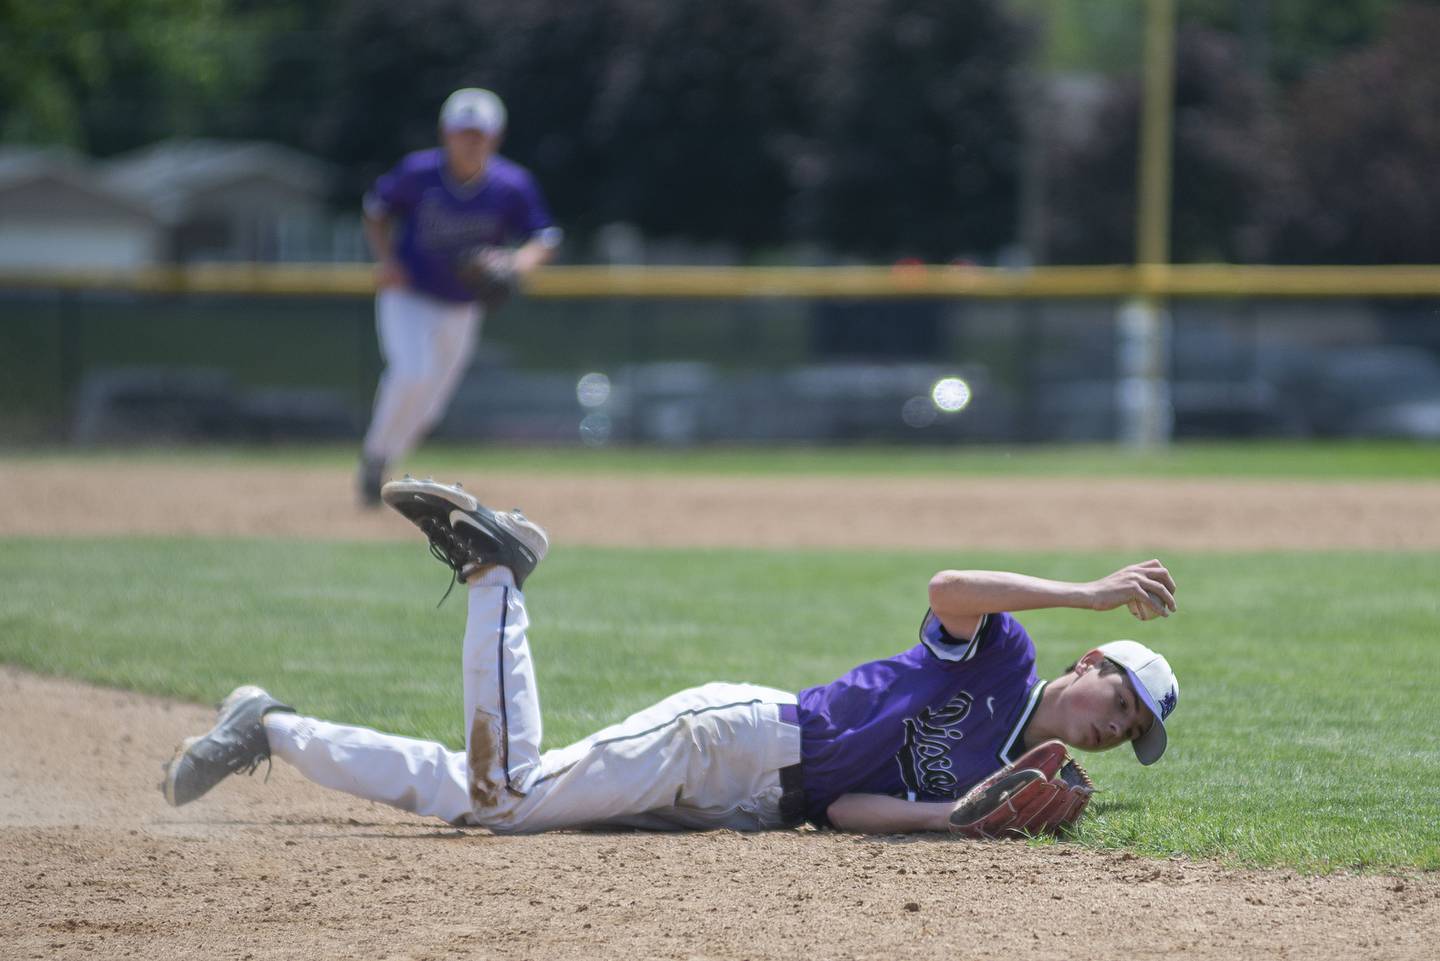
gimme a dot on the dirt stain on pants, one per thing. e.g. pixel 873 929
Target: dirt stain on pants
pixel 484 758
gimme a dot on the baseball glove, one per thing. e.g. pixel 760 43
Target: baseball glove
pixel 489 273
pixel 1042 792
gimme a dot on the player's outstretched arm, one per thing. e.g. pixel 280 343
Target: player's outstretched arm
pixel 1044 791
pixel 533 254
pixel 961 598
pixel 379 234
pixel 882 814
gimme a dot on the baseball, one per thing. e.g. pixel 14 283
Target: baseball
pixel 1145 612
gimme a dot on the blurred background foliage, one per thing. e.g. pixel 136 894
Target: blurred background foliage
pixel 1306 130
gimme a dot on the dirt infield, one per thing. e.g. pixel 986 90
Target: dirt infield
pixel 126 497
pixel 93 864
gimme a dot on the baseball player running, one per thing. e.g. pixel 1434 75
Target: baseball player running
pixel 906 743
pixel 442 225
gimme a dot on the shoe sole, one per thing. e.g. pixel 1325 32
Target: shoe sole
pixel 392 492
pixel 227 706
pixel 395 492
pixel 172 768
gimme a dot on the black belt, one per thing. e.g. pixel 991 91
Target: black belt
pixel 792 778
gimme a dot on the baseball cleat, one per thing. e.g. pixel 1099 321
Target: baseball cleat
pixel 236 743
pixel 465 534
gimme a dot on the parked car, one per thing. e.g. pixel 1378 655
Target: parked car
pixel 1368 391
pixel 186 404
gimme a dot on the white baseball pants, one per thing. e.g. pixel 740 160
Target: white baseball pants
pixel 426 344
pixel 708 757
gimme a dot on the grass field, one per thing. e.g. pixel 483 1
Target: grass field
pixel 1305 735
pixel 1345 460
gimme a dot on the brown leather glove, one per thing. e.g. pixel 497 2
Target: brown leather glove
pixel 1043 792
pixel 489 273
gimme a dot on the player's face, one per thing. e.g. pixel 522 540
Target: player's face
pixel 1102 711
pixel 467 151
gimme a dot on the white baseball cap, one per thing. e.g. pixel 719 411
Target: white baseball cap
pixel 1153 680
pixel 473 108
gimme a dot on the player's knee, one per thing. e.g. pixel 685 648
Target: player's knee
pixel 410 380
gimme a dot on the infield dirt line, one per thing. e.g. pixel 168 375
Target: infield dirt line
pixel 102 497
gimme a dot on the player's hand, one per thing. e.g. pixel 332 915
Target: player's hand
pixel 390 273
pixel 1147 588
pixel 490 273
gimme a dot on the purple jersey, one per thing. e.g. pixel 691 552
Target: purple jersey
pixel 438 218
pixel 926 724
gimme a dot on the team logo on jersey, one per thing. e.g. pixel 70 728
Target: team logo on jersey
pixel 439 227
pixel 1167 703
pixel 925 758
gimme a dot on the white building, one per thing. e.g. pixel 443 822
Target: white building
pixel 55 212
pixel 230 201
pixel 177 201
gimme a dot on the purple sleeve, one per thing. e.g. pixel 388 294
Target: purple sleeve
pixel 951 650
pixel 1003 643
pixel 528 214
pixel 395 193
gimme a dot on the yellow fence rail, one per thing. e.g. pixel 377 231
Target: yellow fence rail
pixel 1199 280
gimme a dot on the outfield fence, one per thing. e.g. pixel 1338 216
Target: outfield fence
pixel 694 355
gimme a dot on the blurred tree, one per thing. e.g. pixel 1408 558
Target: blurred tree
pixel 701 116
pixel 283 58
pixel 1087 35
pixel 1229 170
pixel 394 64
pixel 559 68
pixel 884 126
pixel 105 75
pixel 754 122
pixel 1367 139
pixel 660 114
pixel 563 71
pixel 1284 39
pixel 889 128
pixel 922 138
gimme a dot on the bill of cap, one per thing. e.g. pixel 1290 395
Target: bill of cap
pixel 1150 745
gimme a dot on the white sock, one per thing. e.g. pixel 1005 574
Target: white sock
pixel 497 576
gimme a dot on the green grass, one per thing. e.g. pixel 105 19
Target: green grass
pixel 1336 460
pixel 1305 736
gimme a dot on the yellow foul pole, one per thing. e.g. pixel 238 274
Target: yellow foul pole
pixel 1156 134
pixel 1143 392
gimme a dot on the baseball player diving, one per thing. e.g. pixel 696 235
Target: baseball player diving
pixel 955 734
pixel 453 231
